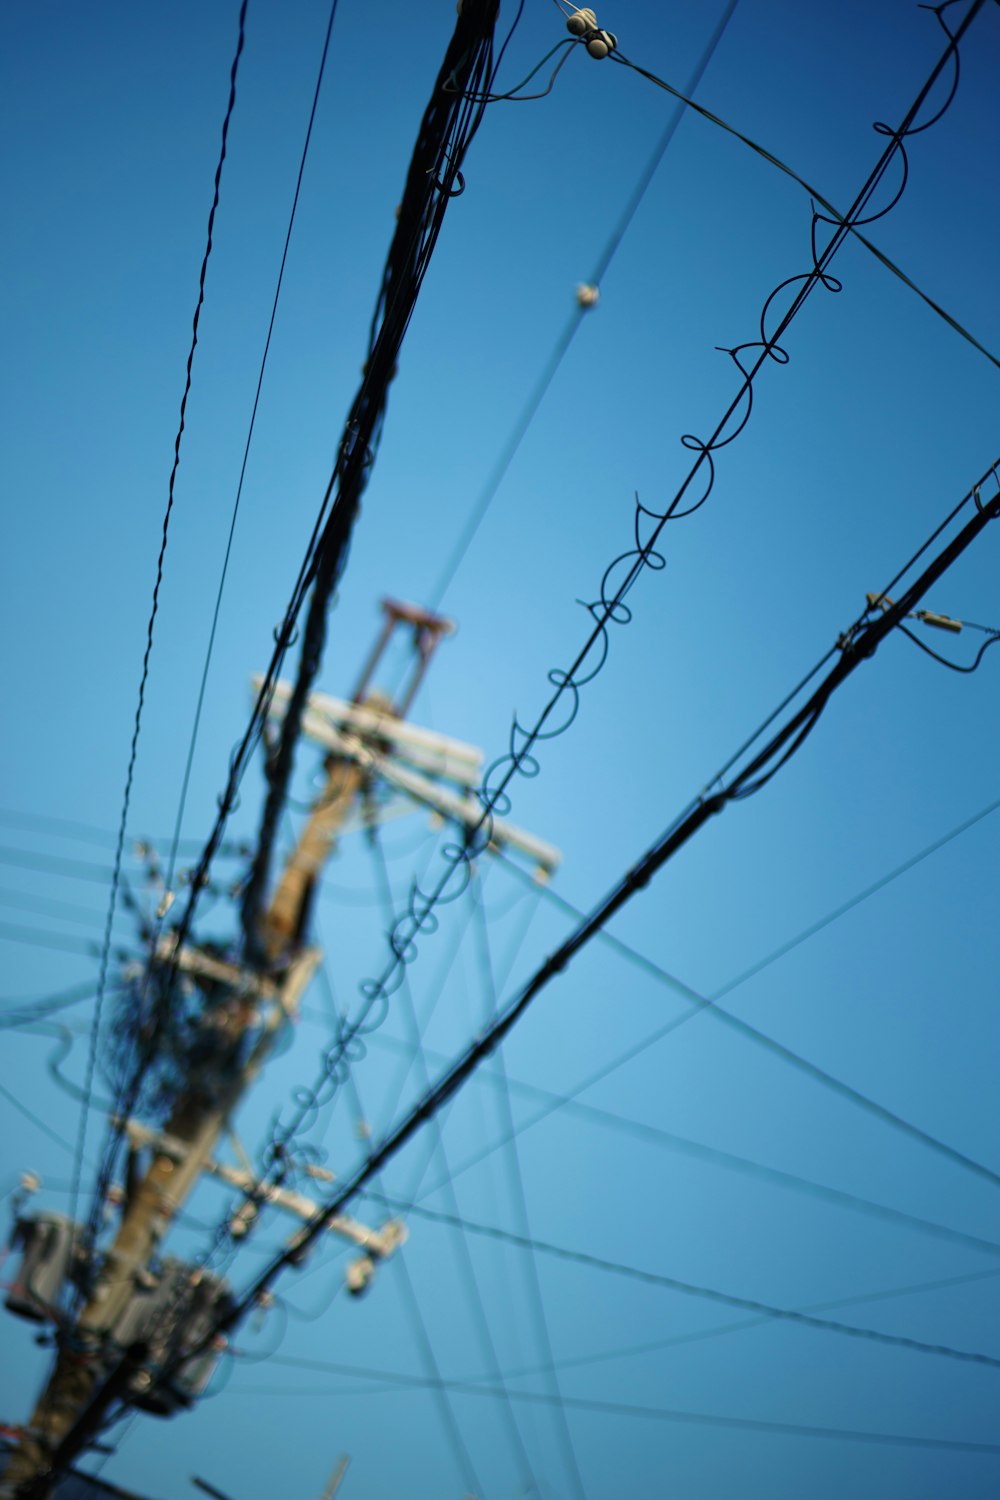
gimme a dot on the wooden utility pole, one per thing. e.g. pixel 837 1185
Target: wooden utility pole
pixel 261 1001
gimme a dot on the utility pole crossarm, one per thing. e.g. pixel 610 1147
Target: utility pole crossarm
pixel 363 749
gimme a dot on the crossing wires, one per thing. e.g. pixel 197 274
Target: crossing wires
pixel 855 646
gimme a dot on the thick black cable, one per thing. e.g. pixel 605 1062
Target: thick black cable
pixel 432 187
pixel 133 750
pixel 606 256
pixel 446 132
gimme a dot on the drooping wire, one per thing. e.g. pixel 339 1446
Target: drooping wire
pixel 133 749
pixel 607 255
pixel 954 666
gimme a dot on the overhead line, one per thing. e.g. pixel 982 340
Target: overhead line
pixel 465 1261
pixel 654 1135
pixel 393 1378
pixel 446 132
pixel 706 1293
pixel 836 217
pixel 520 1200
pixel 133 749
pixel 610 608
pixel 859 644
pixel 175 841
pixel 607 255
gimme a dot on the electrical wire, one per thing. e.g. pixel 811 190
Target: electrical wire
pixel 42 906
pixel 175 840
pixel 836 217
pixel 464 1261
pixel 669 1140
pixel 395 1379
pixel 520 1201
pixel 419 916
pixel 133 750
pixel 859 644
pixel 91 833
pixel 694 1289
pixel 447 130
pixel 559 352
pixel 37 937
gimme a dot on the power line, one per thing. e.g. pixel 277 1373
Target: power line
pixel 133 749
pixel 607 255
pixel 654 1135
pixel 464 1259
pixel 520 1201
pixel 433 178
pixel 694 1289
pixel 395 1379
pixel 836 217
pixel 42 906
pixel 610 607
pixel 447 130
pixel 246 454
pixel 856 646
pixel 37 937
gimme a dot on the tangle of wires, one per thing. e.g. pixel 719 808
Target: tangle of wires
pixel 419 915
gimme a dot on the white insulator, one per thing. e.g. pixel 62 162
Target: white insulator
pixel 359 1274
pixel 602 43
pixel 581 21
pixel 587 295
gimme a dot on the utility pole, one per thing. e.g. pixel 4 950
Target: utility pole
pixel 336 1478
pixel 239 1004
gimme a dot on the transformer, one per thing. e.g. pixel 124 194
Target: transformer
pixel 50 1254
pixel 174 1313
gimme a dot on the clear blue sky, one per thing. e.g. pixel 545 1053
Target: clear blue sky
pixel 855 450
